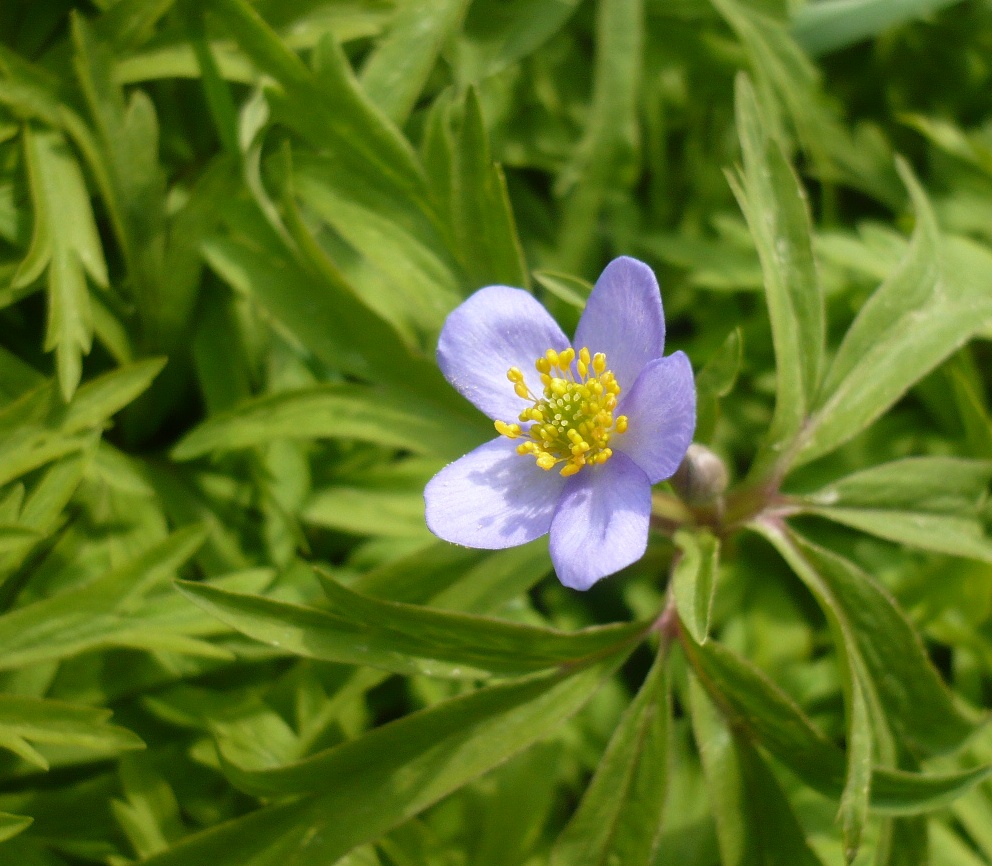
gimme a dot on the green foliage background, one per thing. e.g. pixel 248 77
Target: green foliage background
pixel 229 235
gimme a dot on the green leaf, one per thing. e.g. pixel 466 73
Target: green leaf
pixel 484 225
pixel 385 417
pixel 830 25
pixel 754 820
pixel 39 427
pixel 860 698
pixel 918 705
pixel 715 380
pixel 927 309
pixel 215 89
pixel 41 512
pixel 66 241
pixel 498 33
pixel 518 800
pixel 607 157
pixel 694 580
pixel 133 186
pixel 936 485
pixel 321 312
pixel 619 817
pixel 755 705
pixel 330 108
pixel 394 74
pixel 908 841
pixel 957 536
pixel 396 512
pixel 13 536
pixel 974 414
pixel 774 203
pixel 721 264
pixel 372 783
pixel 394 260
pixel 499 578
pixel 565 287
pixel 405 638
pixel 928 502
pixel 96 614
pixel 101 398
pixel 149 816
pixel 855 798
pixel 60 724
pixel 790 89
pixel 11 825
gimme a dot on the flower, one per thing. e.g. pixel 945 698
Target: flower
pixel 583 433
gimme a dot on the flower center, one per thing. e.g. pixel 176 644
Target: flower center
pixel 573 420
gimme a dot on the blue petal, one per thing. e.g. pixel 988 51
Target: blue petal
pixel 624 319
pixel 492 498
pixel 495 329
pixel 601 524
pixel 661 416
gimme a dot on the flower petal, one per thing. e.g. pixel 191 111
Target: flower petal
pixel 601 524
pixel 492 498
pixel 624 319
pixel 661 416
pixel 493 330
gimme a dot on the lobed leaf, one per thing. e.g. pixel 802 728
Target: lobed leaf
pixel 484 226
pixel 928 502
pixel 619 817
pixel 694 580
pixel 40 427
pixel 606 157
pixel 754 820
pixel 928 308
pixel 11 825
pixel 830 25
pixel 395 73
pixel 364 787
pixel 385 417
pixel 716 380
pixel 65 242
pixel 753 704
pixel 56 723
pixel 918 705
pixel 405 638
pixel 94 615
pixel 777 213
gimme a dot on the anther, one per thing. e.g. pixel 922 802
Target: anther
pixel 511 431
pixel 573 417
pixel 546 461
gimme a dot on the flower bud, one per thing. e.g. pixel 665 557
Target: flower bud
pixel 701 477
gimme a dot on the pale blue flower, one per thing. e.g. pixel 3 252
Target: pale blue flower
pixel 585 432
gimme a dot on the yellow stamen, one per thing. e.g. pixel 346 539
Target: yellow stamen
pixel 573 416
